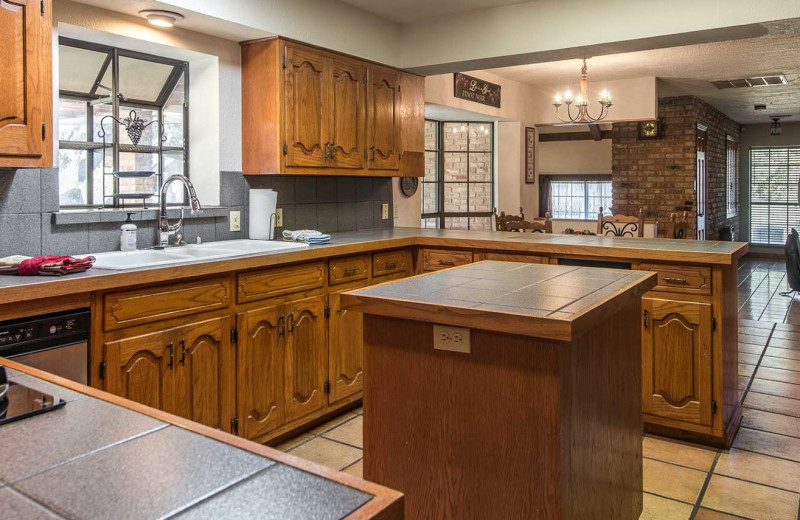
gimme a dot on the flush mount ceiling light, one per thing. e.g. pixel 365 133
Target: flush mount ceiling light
pixel 582 103
pixel 161 18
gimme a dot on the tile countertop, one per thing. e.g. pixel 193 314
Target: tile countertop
pixel 18 288
pixel 94 459
pixel 541 300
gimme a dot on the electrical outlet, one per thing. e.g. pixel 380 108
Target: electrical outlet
pixel 236 220
pixel 279 217
pixel 394 209
pixel 454 339
pixel 385 211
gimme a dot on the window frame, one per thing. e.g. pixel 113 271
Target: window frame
pixel 731 176
pixel 92 98
pixel 584 179
pixel 441 215
pixel 787 204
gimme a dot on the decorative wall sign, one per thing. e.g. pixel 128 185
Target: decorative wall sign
pixel 409 185
pixel 650 129
pixel 477 90
pixel 530 151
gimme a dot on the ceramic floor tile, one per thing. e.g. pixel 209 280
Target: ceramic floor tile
pixel 771 422
pixel 753 340
pixel 749 359
pixel 765 386
pixel 359 410
pixel 152 476
pixel 357 469
pixel 783 353
pixel 776 374
pixel 708 514
pixel 750 349
pixel 750 500
pixel 659 508
pixel 755 331
pixel 746 370
pixel 328 453
pixel 777 341
pixel 351 432
pixel 333 423
pixel 772 403
pixel 294 442
pixel 782 363
pixel 768 443
pixel 678 452
pixel 672 481
pixel 761 469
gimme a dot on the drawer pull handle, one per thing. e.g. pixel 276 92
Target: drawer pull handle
pixel 446 262
pixel 183 352
pixel 670 279
pixel 291 323
pixel 170 348
pixel 282 325
pixel 391 263
pixel 349 270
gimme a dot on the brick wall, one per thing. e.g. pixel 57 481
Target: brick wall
pixel 659 175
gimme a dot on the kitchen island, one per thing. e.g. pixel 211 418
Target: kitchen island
pixel 506 390
pixel 102 457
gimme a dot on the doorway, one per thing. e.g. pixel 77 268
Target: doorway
pixel 702 178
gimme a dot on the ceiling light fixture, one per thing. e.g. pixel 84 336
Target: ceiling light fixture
pixel 775 127
pixel 582 102
pixel 161 18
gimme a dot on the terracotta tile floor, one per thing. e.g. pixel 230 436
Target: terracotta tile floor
pixel 759 478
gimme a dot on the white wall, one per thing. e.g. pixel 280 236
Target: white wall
pixel 557 157
pixel 215 82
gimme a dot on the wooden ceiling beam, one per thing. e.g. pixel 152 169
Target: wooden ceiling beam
pixel 592 135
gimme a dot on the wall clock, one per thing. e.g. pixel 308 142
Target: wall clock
pixel 409 185
pixel 649 129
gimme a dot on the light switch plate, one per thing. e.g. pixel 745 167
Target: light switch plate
pixel 454 339
pixel 279 217
pixel 236 220
pixel 385 212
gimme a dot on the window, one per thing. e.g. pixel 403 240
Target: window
pixel 96 81
pixel 579 197
pixel 732 176
pixel 774 208
pixel 458 187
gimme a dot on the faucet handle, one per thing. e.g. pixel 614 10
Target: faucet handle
pixel 179 239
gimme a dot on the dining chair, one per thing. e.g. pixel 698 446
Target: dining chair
pixel 620 225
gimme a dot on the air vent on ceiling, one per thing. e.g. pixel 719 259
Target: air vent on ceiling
pixel 772 80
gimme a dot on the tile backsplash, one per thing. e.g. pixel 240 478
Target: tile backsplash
pixel 31 224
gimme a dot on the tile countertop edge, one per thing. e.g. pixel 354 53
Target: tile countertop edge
pixel 16 289
pixel 386 503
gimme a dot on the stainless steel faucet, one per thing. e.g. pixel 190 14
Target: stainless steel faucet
pixel 165 229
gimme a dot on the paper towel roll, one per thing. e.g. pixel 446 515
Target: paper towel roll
pixel 262 207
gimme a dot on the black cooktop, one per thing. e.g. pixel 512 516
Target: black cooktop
pixel 19 402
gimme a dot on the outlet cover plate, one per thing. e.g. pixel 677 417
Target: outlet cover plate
pixel 385 212
pixel 454 339
pixel 236 220
pixel 279 217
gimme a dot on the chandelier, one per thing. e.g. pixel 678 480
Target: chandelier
pixel 581 101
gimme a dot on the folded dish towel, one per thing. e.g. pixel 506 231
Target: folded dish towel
pixel 50 265
pixel 309 236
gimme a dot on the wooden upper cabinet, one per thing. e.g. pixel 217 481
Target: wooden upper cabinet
pixel 25 83
pixel 308 108
pixel 260 367
pixel 383 118
pixel 309 111
pixel 676 360
pixel 348 119
pixel 306 357
pixel 205 371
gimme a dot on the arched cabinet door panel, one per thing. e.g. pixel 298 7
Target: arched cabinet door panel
pixel 25 83
pixel 676 360
pixel 306 357
pixel 346 350
pixel 307 110
pixel 348 120
pixel 383 119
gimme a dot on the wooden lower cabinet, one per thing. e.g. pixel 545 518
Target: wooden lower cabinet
pixel 188 371
pixel 306 357
pixel 261 366
pixel 346 350
pixel 677 360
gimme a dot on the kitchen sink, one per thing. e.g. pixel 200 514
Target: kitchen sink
pixel 119 260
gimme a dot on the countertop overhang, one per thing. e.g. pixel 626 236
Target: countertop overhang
pixel 540 300
pixel 18 289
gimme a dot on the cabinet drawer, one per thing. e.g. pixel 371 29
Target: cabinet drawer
pixel 683 279
pixel 124 309
pixel 435 259
pixel 513 257
pixel 279 281
pixel 348 269
pixel 387 262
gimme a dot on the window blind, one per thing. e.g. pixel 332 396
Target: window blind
pixel 774 178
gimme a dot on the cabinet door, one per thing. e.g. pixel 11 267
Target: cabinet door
pixel 348 119
pixel 260 364
pixel 676 360
pixel 345 350
pixel 307 114
pixel 306 357
pixel 383 119
pixel 25 39
pixel 142 369
pixel 205 372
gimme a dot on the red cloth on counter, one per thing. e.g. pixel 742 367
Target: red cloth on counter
pixel 54 265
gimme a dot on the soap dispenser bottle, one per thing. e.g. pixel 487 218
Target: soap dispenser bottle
pixel 128 238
